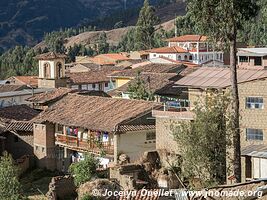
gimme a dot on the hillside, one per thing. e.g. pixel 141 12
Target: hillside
pixel 24 22
pixel 113 36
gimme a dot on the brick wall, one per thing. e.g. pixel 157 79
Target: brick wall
pixel 253 118
pixel 44 145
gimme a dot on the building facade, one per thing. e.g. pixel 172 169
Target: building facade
pixel 198 47
pixel 252 58
pixel 102 126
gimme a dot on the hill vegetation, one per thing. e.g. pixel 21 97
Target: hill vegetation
pixel 25 22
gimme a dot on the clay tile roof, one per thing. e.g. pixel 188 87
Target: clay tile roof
pixel 175 49
pixel 188 38
pixel 152 81
pixel 20 126
pixel 149 67
pixel 102 61
pixel 49 96
pixel 95 113
pixel 114 56
pixel 126 128
pixel 90 77
pixel 219 77
pixel 181 62
pixel 50 56
pixel 18 113
pixel 11 87
pixel 27 80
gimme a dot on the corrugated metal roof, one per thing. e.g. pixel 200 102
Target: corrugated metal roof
pixel 255 151
pixel 219 77
pixel 252 52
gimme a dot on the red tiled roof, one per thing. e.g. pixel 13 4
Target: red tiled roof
pixel 114 56
pixel 28 80
pixel 188 38
pixel 181 62
pixel 175 49
pixel 96 113
pixel 50 96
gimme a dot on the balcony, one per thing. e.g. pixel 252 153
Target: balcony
pixel 79 144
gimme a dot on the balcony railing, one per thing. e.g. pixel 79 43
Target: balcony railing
pixel 76 143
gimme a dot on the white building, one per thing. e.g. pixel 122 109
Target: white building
pixel 193 48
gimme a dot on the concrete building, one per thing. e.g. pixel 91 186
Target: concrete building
pixel 252 58
pixel 252 87
pixel 193 48
pixel 78 124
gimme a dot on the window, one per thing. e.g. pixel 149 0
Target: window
pixel 179 57
pixel 59 70
pixel 190 57
pixel 243 59
pixel 257 61
pixel 254 102
pixel 59 128
pixel 151 136
pixel 93 85
pixel 46 70
pixel 185 57
pixel 106 84
pixel 254 134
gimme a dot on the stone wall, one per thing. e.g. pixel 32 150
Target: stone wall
pixel 19 145
pixel 61 187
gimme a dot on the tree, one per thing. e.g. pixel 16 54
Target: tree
pixel 221 20
pixel 138 90
pixel 103 46
pixel 203 141
pixel 84 170
pixel 10 187
pixel 145 27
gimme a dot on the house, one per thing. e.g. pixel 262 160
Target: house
pixel 109 59
pixel 252 87
pixel 44 100
pixel 92 80
pixel 152 83
pixel 30 81
pixel 106 127
pixel 82 67
pixel 124 76
pixel 173 52
pixel 160 85
pixel 165 60
pixel 252 58
pixel 143 55
pixel 19 97
pixel 12 87
pixel 197 49
pixel 16 130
